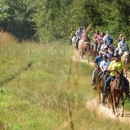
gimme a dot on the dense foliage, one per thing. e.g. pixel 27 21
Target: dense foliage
pixel 51 19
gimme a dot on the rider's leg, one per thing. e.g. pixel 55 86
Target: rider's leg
pixel 93 76
pixel 98 47
pixel 70 39
pixel 105 88
pixel 107 83
pixel 100 75
pixel 76 42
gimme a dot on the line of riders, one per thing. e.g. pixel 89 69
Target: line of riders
pixel 108 60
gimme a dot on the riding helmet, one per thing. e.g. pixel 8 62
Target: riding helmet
pixel 104 56
pixel 116 55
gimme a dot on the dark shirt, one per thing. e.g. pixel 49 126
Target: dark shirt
pixel 98 60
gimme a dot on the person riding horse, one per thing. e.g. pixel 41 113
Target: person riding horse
pixel 103 67
pixel 97 62
pixel 122 46
pixel 72 34
pixel 115 66
pixel 78 36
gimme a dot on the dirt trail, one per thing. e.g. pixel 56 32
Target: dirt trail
pixel 101 110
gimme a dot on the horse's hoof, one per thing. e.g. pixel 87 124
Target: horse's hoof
pixel 117 114
pixel 122 114
pixel 113 112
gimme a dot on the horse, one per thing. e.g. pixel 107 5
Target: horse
pixel 83 47
pixel 91 51
pixel 103 77
pixel 73 41
pixel 125 58
pixel 100 82
pixel 116 93
pixel 98 85
pixel 94 50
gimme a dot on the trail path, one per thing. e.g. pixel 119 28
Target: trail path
pixel 101 110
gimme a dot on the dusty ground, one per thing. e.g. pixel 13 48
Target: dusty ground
pixel 101 110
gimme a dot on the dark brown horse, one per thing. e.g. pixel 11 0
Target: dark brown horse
pixel 116 94
pixel 103 80
pixel 100 82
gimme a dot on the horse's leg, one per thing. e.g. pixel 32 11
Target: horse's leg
pixel 100 99
pixel 126 73
pixel 88 57
pixel 117 106
pixel 112 100
pixel 122 110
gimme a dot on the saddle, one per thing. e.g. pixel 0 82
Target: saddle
pixel 102 74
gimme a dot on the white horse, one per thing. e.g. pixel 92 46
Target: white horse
pixel 125 58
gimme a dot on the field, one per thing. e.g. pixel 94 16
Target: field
pixel 42 88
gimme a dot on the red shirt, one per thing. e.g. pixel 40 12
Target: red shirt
pixel 84 36
pixel 95 36
pixel 100 39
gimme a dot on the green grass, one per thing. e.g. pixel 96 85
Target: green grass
pixel 35 82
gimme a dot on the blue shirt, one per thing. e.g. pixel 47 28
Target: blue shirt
pixel 108 41
pixel 78 33
pixel 124 46
pixel 98 60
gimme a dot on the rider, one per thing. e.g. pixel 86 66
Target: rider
pixel 72 33
pixel 115 66
pixel 95 36
pixel 85 36
pixel 94 43
pixel 97 62
pixel 108 40
pixel 122 46
pixel 100 40
pixel 104 65
pixel 120 37
pixel 106 52
pixel 78 36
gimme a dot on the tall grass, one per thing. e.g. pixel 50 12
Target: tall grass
pixel 41 88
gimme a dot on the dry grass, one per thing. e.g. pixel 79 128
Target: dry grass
pixel 41 88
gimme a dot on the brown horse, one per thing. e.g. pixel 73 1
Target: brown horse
pixel 125 58
pixel 82 49
pixel 103 80
pixel 92 51
pixel 100 84
pixel 116 94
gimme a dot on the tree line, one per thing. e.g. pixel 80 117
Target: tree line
pixel 45 20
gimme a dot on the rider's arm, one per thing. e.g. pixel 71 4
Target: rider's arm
pixel 101 66
pixel 110 68
pixel 102 69
pixel 96 65
pixel 96 62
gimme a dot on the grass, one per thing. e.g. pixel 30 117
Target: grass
pixel 36 81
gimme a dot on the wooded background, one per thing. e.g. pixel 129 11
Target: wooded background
pixel 45 20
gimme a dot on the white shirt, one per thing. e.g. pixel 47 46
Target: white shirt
pixel 104 64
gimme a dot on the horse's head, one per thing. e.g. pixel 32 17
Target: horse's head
pixel 119 79
pixel 126 56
